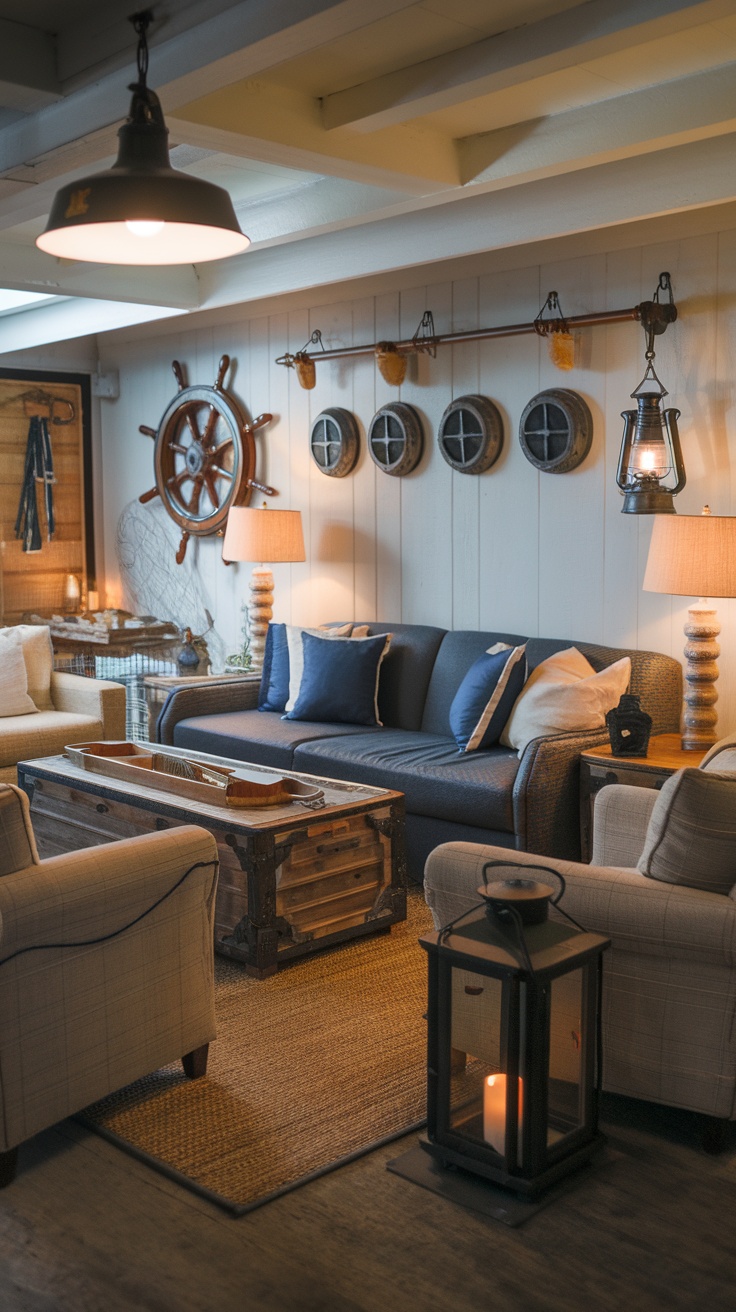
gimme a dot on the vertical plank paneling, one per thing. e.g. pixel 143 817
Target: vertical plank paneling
pixel 331 499
pixel 418 556
pixel 388 489
pixel 299 462
pixel 465 487
pixel 365 476
pixel 509 491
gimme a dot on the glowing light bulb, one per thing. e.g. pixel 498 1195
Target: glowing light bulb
pixel 144 227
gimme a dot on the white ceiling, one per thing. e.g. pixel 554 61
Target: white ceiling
pixel 359 136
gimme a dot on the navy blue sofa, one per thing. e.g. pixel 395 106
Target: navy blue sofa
pixel 529 803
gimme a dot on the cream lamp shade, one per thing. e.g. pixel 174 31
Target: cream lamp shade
pixel 695 556
pixel 265 537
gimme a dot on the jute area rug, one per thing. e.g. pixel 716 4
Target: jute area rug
pixel 311 1068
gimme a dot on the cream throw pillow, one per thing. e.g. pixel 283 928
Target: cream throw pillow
pixel 296 650
pixel 38 654
pixel 14 699
pixel 564 693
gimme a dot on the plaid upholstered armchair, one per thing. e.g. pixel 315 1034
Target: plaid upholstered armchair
pixel 106 968
pixel 662 886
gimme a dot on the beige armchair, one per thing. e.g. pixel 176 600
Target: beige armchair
pixel 669 990
pixel 69 708
pixel 106 968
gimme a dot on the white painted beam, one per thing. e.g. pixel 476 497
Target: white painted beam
pixel 245 39
pixel 592 29
pixel 24 268
pixel 687 109
pixel 28 78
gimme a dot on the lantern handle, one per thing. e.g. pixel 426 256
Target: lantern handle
pixel 548 870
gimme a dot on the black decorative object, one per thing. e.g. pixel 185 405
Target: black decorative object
pixel 629 727
pixel 470 434
pixel 512 1044
pixel 38 468
pixel 334 442
pixel 396 439
pixel 556 430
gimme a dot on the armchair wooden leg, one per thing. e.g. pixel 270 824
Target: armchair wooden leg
pixel 8 1163
pixel 195 1063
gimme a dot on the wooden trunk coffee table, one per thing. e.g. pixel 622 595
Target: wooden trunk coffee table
pixel 292 879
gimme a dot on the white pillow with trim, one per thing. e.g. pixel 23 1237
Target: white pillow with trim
pixel 562 694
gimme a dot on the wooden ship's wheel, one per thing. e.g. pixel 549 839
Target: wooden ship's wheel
pixel 204 457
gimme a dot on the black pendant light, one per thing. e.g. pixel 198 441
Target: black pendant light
pixel 142 211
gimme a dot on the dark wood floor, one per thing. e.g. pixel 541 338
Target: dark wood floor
pixel 85 1228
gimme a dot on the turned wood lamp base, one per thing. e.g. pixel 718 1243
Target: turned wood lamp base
pixel 260 612
pixel 701 674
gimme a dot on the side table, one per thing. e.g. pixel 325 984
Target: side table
pixel 156 688
pixel 599 767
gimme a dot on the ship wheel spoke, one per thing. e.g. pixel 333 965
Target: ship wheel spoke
pixel 210 427
pixel 222 473
pixel 178 448
pixel 176 480
pixel 193 506
pixel 211 488
pixel 221 450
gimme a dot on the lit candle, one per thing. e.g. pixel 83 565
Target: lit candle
pixel 494 1111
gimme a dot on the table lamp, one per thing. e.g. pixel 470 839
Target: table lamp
pixel 267 537
pixel 695 556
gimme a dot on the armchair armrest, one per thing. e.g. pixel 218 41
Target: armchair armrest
pixel 639 914
pixel 97 697
pixel 98 892
pixel 217 698
pixel 620 822
pixel 546 797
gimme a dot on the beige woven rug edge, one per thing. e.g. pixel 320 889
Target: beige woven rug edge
pixel 317 1065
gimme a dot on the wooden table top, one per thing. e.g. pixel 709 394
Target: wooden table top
pixel 664 753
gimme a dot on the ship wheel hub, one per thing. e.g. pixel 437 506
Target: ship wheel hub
pixel 195 458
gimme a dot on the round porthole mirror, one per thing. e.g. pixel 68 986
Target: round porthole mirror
pixel 333 442
pixel 470 434
pixel 396 439
pixel 556 430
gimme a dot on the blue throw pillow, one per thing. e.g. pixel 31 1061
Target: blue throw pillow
pixel 340 680
pixel 274 691
pixel 484 701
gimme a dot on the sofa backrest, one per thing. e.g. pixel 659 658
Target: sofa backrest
pixel 406 671
pixel 656 678
pixel 456 655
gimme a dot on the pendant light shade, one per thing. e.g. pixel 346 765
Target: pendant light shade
pixel 142 211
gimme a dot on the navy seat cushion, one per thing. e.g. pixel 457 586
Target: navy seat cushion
pixel 261 737
pixel 475 788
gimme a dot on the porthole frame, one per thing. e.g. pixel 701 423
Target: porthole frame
pixel 411 435
pixel 347 439
pixel 490 435
pixel 579 426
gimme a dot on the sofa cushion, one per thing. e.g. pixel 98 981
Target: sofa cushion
pixel 38 655
pixel 339 681
pixel 14 699
pixel 457 653
pixel 563 694
pixel 474 788
pixel 274 690
pixel 482 704
pixel 263 738
pixel 691 838
pixel 26 737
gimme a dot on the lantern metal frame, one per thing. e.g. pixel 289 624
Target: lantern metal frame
pixel 525 958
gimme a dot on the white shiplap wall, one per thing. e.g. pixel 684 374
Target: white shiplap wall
pixel 512 549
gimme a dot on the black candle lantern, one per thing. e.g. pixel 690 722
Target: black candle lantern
pixel 513 1026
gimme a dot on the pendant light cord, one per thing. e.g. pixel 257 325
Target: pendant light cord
pixel 141 23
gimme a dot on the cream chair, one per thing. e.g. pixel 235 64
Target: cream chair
pixel 106 968
pixel 68 708
pixel 669 991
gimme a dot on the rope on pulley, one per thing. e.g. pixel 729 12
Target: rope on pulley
pixel 39 467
